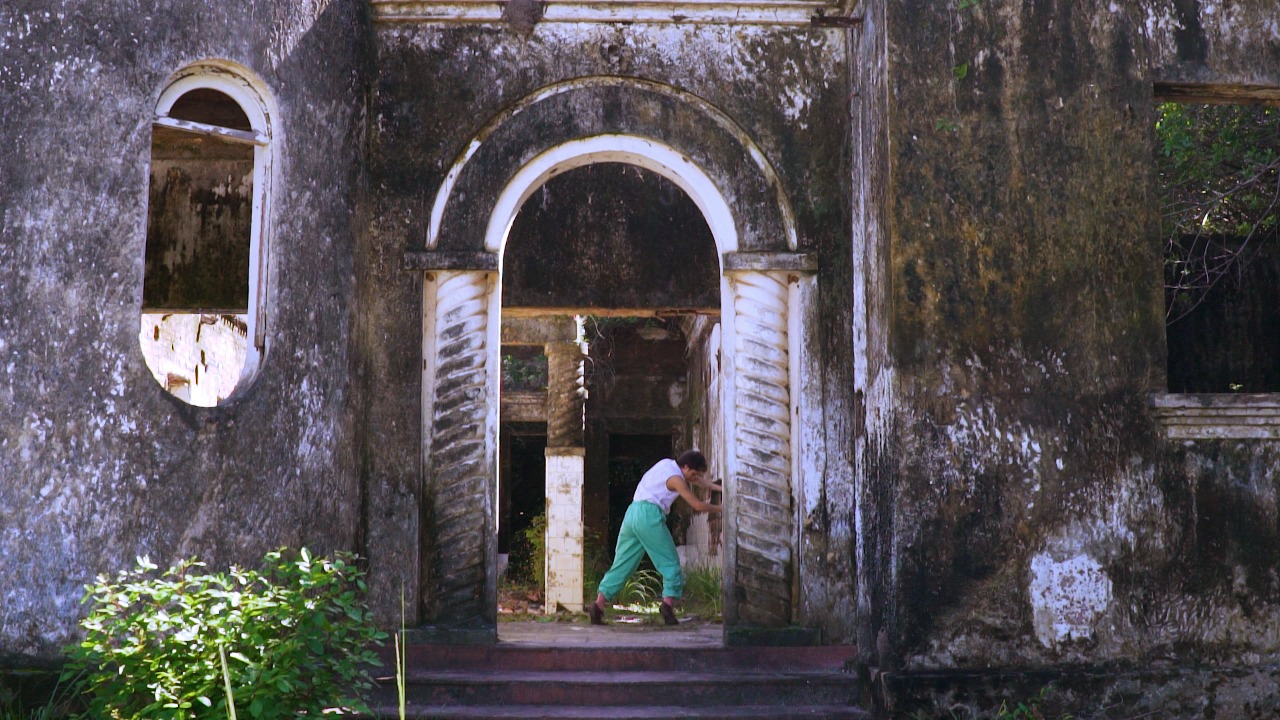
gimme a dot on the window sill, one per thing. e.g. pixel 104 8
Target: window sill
pixel 1226 416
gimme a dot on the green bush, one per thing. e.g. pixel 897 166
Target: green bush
pixel 297 637
pixel 535 540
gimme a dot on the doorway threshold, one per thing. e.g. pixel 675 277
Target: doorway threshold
pixel 688 634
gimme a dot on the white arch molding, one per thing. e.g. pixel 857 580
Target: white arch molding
pixel 756 401
pixel 631 149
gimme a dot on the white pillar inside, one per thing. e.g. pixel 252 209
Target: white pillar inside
pixel 564 529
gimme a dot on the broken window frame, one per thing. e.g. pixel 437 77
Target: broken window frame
pixel 238 84
pixel 1217 416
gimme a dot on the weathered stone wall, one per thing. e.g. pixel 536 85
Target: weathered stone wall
pixel 1024 508
pixel 99 463
pixel 1217 42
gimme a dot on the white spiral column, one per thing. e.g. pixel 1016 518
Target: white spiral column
pixel 762 504
pixel 458 495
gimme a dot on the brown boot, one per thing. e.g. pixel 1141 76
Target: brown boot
pixel 597 615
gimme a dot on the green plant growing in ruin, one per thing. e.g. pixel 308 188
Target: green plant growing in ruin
pixel 1219 172
pixel 1030 709
pixel 1033 708
pixel 49 703
pixel 702 591
pixel 644 587
pixel 535 537
pixel 293 639
pixel 524 373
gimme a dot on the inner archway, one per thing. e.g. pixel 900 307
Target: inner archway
pixel 627 254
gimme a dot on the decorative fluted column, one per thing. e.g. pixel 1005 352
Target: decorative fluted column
pixel 457 548
pixel 762 512
pixel 565 474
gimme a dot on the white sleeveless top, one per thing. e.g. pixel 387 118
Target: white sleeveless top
pixel 653 486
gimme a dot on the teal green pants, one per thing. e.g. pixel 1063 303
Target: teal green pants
pixel 644 530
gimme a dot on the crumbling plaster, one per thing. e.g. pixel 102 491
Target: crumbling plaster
pixel 99 463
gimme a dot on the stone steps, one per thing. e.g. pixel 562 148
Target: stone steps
pixel 496 681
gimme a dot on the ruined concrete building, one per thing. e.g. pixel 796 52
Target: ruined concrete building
pixel 894 266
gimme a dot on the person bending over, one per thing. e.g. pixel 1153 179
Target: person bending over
pixel 644 531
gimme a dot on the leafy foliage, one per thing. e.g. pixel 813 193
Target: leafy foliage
pixel 535 541
pixel 1219 168
pixel 296 637
pixel 519 373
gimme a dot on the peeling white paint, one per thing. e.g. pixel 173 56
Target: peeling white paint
pixel 980 435
pixel 1068 597
pixel 200 371
pixel 795 104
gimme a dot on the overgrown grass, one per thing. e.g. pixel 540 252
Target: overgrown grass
pixel 702 592
pixel 642 593
pixel 644 587
pixel 49 700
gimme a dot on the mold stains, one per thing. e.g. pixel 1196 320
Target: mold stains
pixel 523 15
pixel 628 237
pixel 1192 44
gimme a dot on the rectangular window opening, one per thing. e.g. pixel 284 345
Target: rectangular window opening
pixel 1218 167
pixel 1217 157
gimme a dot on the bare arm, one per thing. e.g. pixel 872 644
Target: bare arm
pixel 708 484
pixel 676 483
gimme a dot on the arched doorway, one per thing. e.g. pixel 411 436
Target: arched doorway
pixel 610 312
pixel 764 289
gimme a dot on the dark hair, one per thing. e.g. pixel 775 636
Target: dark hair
pixel 692 459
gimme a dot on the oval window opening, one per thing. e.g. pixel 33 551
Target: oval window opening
pixel 196 317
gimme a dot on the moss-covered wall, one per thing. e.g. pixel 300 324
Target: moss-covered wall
pixel 1028 509
pixel 98 463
